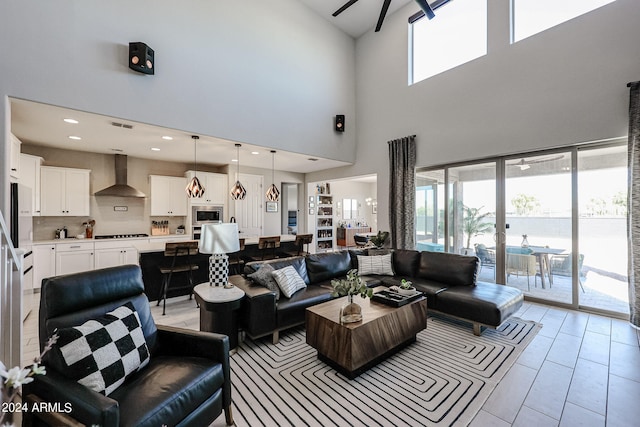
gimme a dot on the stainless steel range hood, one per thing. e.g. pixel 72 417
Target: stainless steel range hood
pixel 120 189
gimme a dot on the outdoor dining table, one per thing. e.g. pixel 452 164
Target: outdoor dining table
pixel 542 255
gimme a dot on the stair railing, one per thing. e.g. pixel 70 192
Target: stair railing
pixel 10 300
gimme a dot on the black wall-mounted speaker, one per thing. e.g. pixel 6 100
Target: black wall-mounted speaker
pixel 141 58
pixel 340 123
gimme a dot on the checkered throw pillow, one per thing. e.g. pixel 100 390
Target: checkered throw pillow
pixel 101 353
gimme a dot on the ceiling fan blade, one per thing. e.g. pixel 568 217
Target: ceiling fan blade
pixel 383 13
pixel 344 7
pixel 426 8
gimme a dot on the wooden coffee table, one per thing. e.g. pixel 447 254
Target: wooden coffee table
pixel 355 347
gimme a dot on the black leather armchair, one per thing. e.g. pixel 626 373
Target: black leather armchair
pixel 186 383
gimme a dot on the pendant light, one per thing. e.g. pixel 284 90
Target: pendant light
pixel 273 194
pixel 194 188
pixel 237 191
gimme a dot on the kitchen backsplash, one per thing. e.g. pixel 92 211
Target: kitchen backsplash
pixel 113 215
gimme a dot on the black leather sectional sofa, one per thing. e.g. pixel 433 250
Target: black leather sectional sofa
pixel 448 281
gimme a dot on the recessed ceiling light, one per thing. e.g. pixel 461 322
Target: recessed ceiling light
pixel 72 121
pixel 255 152
pixel 75 138
pixel 155 149
pixel 168 138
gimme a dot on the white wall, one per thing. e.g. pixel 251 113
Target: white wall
pixel 272 220
pixel 563 86
pixel 268 73
pixel 354 190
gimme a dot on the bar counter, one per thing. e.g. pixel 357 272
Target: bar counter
pixel 152 256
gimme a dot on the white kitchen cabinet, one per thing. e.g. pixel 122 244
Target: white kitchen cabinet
pixel 168 196
pixel 74 257
pixel 14 160
pixel 44 263
pixel 113 254
pixel 215 188
pixel 30 177
pixel 64 191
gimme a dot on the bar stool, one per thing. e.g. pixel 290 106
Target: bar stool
pixel 301 241
pixel 235 259
pixel 174 252
pixel 267 246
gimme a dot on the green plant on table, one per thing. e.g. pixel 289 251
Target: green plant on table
pixel 405 284
pixel 379 239
pixel 351 285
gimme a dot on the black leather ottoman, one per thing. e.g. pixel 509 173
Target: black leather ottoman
pixel 483 304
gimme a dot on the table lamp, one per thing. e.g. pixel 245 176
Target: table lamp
pixel 219 240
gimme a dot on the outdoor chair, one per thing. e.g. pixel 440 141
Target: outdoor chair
pixel 521 264
pixel 487 256
pixel 560 265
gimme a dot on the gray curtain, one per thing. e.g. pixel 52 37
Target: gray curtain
pixel 402 192
pixel 633 216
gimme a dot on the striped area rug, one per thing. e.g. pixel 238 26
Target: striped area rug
pixel 442 379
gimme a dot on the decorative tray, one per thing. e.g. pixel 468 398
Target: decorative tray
pixel 394 299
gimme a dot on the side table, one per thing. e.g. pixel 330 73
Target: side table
pixel 219 310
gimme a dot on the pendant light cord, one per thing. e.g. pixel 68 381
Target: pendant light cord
pixel 195 153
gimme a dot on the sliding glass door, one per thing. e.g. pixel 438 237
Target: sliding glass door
pixel 538 217
pixel 601 264
pixel 551 224
pixel 472 214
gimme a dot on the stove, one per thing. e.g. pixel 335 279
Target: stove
pixel 120 236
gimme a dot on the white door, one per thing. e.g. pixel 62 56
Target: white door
pixel 250 211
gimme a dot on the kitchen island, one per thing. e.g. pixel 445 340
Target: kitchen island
pixel 152 255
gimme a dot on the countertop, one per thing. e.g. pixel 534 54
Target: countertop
pixel 126 239
pixel 151 246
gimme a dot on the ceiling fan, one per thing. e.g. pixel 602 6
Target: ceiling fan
pixel 525 164
pixel 424 5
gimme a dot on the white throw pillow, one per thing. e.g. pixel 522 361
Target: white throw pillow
pixel 289 281
pixel 376 264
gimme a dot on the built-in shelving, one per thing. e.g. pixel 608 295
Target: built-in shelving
pixel 325 232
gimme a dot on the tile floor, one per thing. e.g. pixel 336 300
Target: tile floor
pixel 600 291
pixel 580 370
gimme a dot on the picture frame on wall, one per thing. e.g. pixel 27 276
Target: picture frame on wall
pixel 374 209
pixel 272 206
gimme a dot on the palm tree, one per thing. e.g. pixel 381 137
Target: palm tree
pixel 473 223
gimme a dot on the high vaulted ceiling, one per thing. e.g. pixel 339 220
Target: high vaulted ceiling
pixel 42 124
pixel 359 18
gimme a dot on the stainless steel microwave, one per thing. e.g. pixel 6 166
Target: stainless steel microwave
pixel 206 215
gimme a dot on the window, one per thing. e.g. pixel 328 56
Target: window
pixel 458 34
pixel 350 208
pixel 529 17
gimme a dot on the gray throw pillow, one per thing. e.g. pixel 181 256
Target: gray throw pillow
pixel 263 277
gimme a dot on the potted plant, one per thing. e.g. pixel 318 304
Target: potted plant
pixel 405 288
pixel 379 239
pixel 473 225
pixel 350 286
